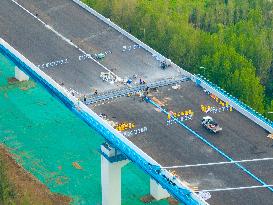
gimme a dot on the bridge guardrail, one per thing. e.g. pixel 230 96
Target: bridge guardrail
pixel 234 102
pixel 91 99
pixel 141 159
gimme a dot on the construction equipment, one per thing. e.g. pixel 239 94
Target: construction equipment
pixel 100 56
pixel 107 77
pixel 211 125
pixel 165 63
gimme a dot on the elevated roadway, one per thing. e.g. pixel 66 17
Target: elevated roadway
pixel 59 29
pixel 19 22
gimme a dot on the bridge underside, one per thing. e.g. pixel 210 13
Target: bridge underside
pixel 169 144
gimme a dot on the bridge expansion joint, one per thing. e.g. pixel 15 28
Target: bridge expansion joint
pixel 106 96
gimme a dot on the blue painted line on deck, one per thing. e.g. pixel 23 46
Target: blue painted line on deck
pixel 213 146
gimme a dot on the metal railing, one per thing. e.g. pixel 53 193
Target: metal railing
pixel 127 91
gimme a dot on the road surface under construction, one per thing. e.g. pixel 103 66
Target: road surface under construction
pixel 65 40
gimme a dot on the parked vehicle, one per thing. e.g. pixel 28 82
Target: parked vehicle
pixel 210 124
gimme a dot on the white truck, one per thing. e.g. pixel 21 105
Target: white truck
pixel 210 124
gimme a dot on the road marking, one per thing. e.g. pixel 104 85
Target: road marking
pixel 217 163
pixel 183 119
pixel 53 63
pixel 60 35
pixel 49 27
pixel 129 48
pixel 138 131
pixel 214 109
pixel 236 188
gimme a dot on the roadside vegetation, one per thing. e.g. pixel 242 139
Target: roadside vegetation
pixel 18 187
pixel 230 42
pixel 7 193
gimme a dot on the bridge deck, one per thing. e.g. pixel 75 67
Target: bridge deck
pixel 172 145
pixel 169 145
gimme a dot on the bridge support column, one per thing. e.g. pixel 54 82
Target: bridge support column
pixel 111 163
pixel 20 75
pixel 157 191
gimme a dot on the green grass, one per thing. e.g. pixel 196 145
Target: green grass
pixel 7 191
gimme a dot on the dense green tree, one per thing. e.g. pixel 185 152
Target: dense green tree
pixel 245 85
pixel 269 113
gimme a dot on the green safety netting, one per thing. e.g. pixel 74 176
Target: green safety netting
pixel 47 139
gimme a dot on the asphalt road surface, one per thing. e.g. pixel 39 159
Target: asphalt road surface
pixel 173 145
pixel 41 45
pixel 71 31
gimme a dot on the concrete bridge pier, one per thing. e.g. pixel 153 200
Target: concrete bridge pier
pixel 20 75
pixel 112 162
pixel 157 191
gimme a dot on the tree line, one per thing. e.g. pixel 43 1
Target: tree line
pixel 230 42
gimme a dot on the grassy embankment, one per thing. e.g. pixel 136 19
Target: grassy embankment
pixel 18 187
